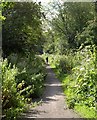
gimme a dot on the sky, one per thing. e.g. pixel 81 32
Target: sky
pixel 45 2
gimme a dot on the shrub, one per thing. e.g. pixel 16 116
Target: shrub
pixel 32 73
pixel 20 82
pixel 82 85
pixel 63 63
pixel 79 71
pixel 11 99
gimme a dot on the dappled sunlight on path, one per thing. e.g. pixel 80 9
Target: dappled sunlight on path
pixel 53 101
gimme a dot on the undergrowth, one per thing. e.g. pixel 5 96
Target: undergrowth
pixel 22 80
pixel 79 78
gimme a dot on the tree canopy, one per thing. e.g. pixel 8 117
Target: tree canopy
pixel 22 28
pixel 73 25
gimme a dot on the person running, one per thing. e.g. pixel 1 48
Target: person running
pixel 47 60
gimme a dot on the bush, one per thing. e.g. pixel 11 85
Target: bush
pixel 82 84
pixel 62 63
pixel 78 72
pixel 33 73
pixel 20 83
pixel 11 99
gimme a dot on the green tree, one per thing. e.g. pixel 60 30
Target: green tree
pixel 71 20
pixel 21 31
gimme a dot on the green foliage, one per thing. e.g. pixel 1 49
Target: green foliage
pixel 72 42
pixel 21 30
pixel 23 72
pixel 72 25
pixel 1 16
pixel 85 111
pixel 62 63
pixel 80 85
pixel 84 88
pixel 20 83
pixel 49 46
pixel 32 73
pixel 11 99
pixel 70 33
pixel 88 36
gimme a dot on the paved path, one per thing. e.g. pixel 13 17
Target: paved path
pixel 53 101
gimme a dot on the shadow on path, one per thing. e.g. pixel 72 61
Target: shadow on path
pixel 53 101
